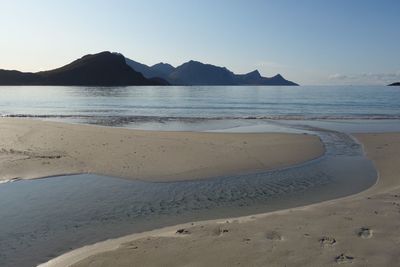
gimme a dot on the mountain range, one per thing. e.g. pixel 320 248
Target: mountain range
pixel 113 69
pixel 197 73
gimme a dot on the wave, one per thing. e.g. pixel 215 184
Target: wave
pixel 9 180
pixel 138 118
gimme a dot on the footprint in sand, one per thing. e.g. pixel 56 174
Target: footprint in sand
pixel 275 236
pixel 220 231
pixel 327 241
pixel 343 258
pixel 365 232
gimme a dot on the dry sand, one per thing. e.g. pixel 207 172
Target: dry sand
pixel 359 230
pixel 33 149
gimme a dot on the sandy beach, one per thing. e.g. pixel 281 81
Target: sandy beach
pixel 34 149
pixel 359 230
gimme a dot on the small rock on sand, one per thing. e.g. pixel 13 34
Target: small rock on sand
pixel 183 231
pixel 327 241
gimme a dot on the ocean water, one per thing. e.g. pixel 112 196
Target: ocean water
pixel 124 106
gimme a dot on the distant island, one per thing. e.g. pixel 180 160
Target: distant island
pixel 113 69
pixel 394 84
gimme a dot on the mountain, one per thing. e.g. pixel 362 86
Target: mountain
pixel 13 77
pixel 255 78
pixel 160 70
pixel 102 69
pixel 394 84
pixel 164 68
pixel 147 71
pixel 197 73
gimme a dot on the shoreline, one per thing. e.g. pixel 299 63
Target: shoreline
pixel 351 251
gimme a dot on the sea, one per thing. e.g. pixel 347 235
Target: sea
pixel 162 106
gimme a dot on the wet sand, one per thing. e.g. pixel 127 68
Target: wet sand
pixel 63 213
pixel 34 149
pixel 359 230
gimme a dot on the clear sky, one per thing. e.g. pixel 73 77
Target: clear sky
pixel 307 41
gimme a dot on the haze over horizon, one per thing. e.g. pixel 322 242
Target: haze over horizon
pixel 338 42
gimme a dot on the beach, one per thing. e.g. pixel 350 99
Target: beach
pixel 358 230
pixel 34 149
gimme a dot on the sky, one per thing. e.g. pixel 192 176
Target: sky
pixel 312 42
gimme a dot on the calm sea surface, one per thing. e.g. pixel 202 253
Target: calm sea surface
pixel 123 105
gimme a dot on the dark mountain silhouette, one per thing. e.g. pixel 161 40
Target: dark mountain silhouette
pixel 160 70
pixel 197 73
pixel 13 77
pixel 113 69
pixel 394 84
pixel 163 68
pixel 147 71
pixel 254 75
pixel 102 69
pixel 254 78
